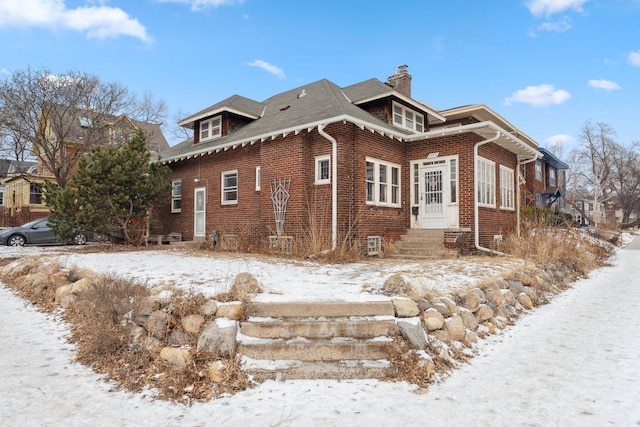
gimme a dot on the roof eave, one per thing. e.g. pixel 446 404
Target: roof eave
pixel 190 121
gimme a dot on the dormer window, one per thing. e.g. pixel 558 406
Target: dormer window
pixel 211 128
pixel 407 118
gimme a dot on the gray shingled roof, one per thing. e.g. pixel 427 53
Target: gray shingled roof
pixel 310 104
pixel 236 103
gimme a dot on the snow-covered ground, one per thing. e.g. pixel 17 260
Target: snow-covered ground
pixel 575 361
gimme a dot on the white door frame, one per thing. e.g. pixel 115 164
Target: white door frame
pixel 199 212
pixel 434 196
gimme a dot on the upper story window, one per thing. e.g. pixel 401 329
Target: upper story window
pixel 538 170
pixel 486 177
pixel 322 170
pixel 407 118
pixel 230 187
pixel 176 196
pixel 552 177
pixel 211 128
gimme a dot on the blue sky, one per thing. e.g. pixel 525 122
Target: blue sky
pixel 547 66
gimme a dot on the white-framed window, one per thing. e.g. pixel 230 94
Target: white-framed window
pixel 35 193
pixel 539 200
pixel 382 183
pixel 486 177
pixel 453 178
pixel 229 187
pixel 507 188
pixel 211 128
pixel 176 195
pixel 323 172
pixel 407 118
pixel 258 178
pixel 552 177
pixel 538 170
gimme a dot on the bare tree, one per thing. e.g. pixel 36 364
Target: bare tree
pixel 625 178
pixel 61 117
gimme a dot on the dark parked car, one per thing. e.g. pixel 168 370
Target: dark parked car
pixel 36 232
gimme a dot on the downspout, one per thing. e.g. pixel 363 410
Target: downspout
pixel 476 220
pixel 334 185
pixel 519 194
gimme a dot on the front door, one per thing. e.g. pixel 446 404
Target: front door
pixel 433 197
pixel 199 211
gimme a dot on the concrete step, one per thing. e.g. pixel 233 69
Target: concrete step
pixel 321 350
pixel 315 309
pixel 418 245
pixel 294 369
pixel 363 328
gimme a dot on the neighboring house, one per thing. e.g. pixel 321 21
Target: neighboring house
pixel 544 182
pixel 9 169
pixel 360 161
pixel 24 190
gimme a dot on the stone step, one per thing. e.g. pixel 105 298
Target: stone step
pixel 315 309
pixel 365 327
pixel 418 245
pixel 294 369
pixel 321 350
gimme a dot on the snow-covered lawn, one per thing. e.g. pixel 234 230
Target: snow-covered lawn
pixel 573 362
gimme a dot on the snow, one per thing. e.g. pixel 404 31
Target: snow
pixel 573 362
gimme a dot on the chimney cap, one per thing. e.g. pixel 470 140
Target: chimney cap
pixel 401 69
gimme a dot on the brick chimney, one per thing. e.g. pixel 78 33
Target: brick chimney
pixel 401 81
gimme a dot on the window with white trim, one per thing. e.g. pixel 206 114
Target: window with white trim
pixel 407 118
pixel 211 128
pixel 539 200
pixel 552 177
pixel 230 187
pixel 453 164
pixel 258 177
pixel 507 188
pixel 382 183
pixel 486 178
pixel 176 196
pixel 538 170
pixel 322 170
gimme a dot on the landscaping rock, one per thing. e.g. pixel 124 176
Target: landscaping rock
pixel 516 287
pixel 508 297
pixel 156 324
pixel 219 337
pixel 80 286
pixel 483 313
pixel 179 339
pixel 472 300
pixel 469 320
pixel 451 305
pixel 244 285
pixel 494 294
pixel 455 328
pixel 142 312
pixel 411 329
pixel 62 292
pixel 178 358
pixel 502 283
pixel 432 319
pixel 209 308
pixel 404 307
pixel 525 301
pixel 532 294
pixel 423 304
pixel 396 285
pixel 192 323
pixel 231 310
pixel 442 335
pixel 470 338
pixel 68 301
pixel 442 308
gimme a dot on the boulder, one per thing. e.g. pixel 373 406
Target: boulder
pixel 524 300
pixel 483 313
pixel 209 308
pixel 396 285
pixel 470 338
pixel 502 283
pixel 178 358
pixel 442 309
pixel 156 324
pixel 230 310
pixel 62 292
pixel 179 339
pixel 143 310
pixel 244 286
pixel 442 336
pixel 432 319
pixel 423 304
pixel 532 294
pixel 81 285
pixel 509 297
pixel 455 328
pixel 404 307
pixel 451 305
pixel 68 301
pixel 411 329
pixel 192 323
pixel 471 300
pixel 469 320
pixel 494 293
pixel 219 337
pixel 516 287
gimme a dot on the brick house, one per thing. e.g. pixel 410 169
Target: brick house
pixel 361 162
pixel 545 181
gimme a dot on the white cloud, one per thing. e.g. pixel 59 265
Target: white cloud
pixel 603 84
pixel 634 58
pixel 560 26
pixel 560 139
pixel 99 22
pixel 197 5
pixel 539 96
pixel 276 71
pixel 551 7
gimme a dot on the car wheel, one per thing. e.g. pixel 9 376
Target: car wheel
pixel 80 239
pixel 17 240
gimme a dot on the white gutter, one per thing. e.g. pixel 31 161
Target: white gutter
pixel 476 211
pixel 518 191
pixel 334 185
